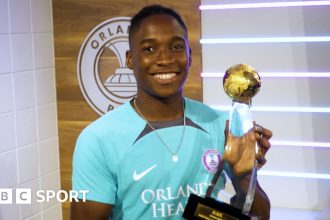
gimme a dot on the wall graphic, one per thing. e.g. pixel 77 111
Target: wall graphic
pixel 106 88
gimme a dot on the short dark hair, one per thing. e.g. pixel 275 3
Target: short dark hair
pixel 149 11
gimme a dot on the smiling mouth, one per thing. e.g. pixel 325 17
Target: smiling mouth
pixel 164 76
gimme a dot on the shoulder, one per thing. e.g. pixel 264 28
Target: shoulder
pixel 110 121
pixel 98 139
pixel 209 119
pixel 201 111
pixel 107 132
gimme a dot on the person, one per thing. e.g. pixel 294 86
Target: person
pixel 143 159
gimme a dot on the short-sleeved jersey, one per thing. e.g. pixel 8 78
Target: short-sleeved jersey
pixel 122 161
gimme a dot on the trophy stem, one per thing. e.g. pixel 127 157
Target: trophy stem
pixel 215 179
pixel 252 188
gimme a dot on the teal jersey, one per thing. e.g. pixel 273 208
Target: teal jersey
pixel 122 161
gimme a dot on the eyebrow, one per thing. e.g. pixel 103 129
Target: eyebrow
pixel 147 40
pixel 175 38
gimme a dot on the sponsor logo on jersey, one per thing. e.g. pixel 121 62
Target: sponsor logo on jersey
pixel 210 159
pixel 104 79
pixel 140 175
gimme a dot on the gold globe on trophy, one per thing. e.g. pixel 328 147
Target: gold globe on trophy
pixel 241 82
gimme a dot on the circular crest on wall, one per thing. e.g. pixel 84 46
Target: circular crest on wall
pixel 104 79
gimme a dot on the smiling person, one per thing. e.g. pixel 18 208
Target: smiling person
pixel 143 159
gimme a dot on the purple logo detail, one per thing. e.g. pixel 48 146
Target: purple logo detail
pixel 211 158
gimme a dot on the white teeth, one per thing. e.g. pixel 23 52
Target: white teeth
pixel 165 75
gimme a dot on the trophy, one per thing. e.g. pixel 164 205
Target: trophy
pixel 241 82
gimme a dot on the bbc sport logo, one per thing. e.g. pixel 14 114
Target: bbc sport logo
pixel 25 195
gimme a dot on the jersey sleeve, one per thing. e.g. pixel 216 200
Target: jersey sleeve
pixel 90 170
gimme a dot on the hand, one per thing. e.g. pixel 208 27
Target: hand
pixel 262 136
pixel 241 152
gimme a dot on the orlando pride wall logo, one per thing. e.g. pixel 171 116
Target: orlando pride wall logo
pixel 104 79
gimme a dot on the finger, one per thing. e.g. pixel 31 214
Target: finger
pixel 261 153
pixel 263 142
pixel 261 160
pixel 261 150
pixel 264 132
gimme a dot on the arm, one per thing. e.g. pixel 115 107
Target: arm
pixel 261 204
pixel 90 210
pixel 90 171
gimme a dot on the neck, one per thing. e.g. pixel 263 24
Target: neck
pixel 160 109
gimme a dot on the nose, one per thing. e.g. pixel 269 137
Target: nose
pixel 165 57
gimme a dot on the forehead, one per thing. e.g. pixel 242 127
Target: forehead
pixel 161 25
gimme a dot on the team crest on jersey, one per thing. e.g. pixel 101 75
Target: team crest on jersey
pixel 211 158
pixel 104 79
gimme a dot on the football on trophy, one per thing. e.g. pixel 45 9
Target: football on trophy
pixel 241 82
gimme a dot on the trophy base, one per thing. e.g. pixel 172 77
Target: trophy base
pixel 211 209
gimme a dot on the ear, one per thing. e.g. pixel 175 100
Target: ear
pixel 129 62
pixel 190 57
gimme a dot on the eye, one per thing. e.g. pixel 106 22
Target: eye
pixel 148 49
pixel 178 47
